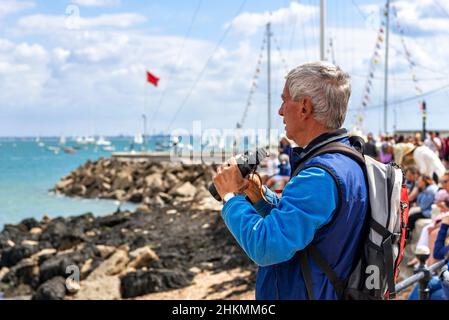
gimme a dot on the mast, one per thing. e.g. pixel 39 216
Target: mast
pixel 269 80
pixel 144 117
pixel 387 36
pixel 322 30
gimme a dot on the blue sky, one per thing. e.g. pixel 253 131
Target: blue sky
pixel 63 75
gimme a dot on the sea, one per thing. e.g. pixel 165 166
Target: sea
pixel 29 168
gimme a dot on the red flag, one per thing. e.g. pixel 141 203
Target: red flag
pixel 151 78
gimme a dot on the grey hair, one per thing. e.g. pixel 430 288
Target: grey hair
pixel 327 85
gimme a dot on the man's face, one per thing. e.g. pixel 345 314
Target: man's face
pixel 410 176
pixel 290 111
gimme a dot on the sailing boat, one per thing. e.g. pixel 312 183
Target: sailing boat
pixel 103 142
pixel 62 140
pixel 138 139
pixel 39 142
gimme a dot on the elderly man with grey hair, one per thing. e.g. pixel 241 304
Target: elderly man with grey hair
pixel 323 208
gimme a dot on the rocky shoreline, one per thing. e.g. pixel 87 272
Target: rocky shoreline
pixel 147 183
pixel 175 234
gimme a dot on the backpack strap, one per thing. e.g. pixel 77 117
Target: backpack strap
pixel 310 250
pixel 333 147
pixel 306 273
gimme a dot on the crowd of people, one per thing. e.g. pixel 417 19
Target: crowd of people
pixel 425 165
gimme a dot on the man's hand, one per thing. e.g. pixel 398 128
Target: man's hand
pixel 229 179
pixel 254 188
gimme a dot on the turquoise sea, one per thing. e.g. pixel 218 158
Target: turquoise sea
pixel 28 170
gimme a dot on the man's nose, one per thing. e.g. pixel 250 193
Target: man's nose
pixel 281 110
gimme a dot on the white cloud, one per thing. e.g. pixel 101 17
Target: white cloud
pixel 28 52
pixel 93 81
pixel 250 23
pixel 423 17
pixel 48 24
pixel 97 3
pixel 12 6
pixel 61 55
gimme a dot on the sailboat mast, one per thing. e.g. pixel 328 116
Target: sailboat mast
pixel 322 30
pixel 387 36
pixel 269 80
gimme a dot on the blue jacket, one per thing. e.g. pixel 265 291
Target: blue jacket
pixel 426 198
pixel 310 212
pixel 440 250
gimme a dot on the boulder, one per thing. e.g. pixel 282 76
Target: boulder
pixel 30 223
pixel 22 291
pixel 105 251
pixel 140 282
pixel 25 272
pixel 54 289
pixel 120 195
pixel 155 182
pixel 12 256
pixel 123 181
pixel 64 184
pixel 165 197
pixel 55 266
pixel 186 190
pixel 136 196
pixel 112 220
pixel 35 231
pixel 78 190
pixel 61 236
pixel 29 243
pixel 144 209
pixel 104 278
pixel 3 272
pixel 144 257
pixel 88 180
pixel 114 265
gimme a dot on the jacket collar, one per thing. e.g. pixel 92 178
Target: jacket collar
pixel 299 153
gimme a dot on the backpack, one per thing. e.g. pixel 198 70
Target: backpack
pixel 376 264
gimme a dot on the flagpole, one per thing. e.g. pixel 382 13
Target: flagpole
pixel 143 111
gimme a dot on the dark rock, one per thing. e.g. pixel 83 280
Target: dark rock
pixel 112 220
pixel 54 232
pixel 22 290
pixel 25 272
pixel 54 289
pixel 12 256
pixel 141 282
pixel 55 266
pixel 30 223
pixel 136 197
pixel 62 235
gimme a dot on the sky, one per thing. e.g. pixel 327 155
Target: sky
pixel 78 67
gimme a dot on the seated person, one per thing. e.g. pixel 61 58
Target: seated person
pixel 439 286
pixel 440 209
pixel 424 201
pixel 280 179
pixel 411 175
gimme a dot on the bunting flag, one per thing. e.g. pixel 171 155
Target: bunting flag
pixel 374 62
pixel 151 78
pixel 253 86
pixel 408 55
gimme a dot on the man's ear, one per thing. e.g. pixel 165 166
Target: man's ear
pixel 306 107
